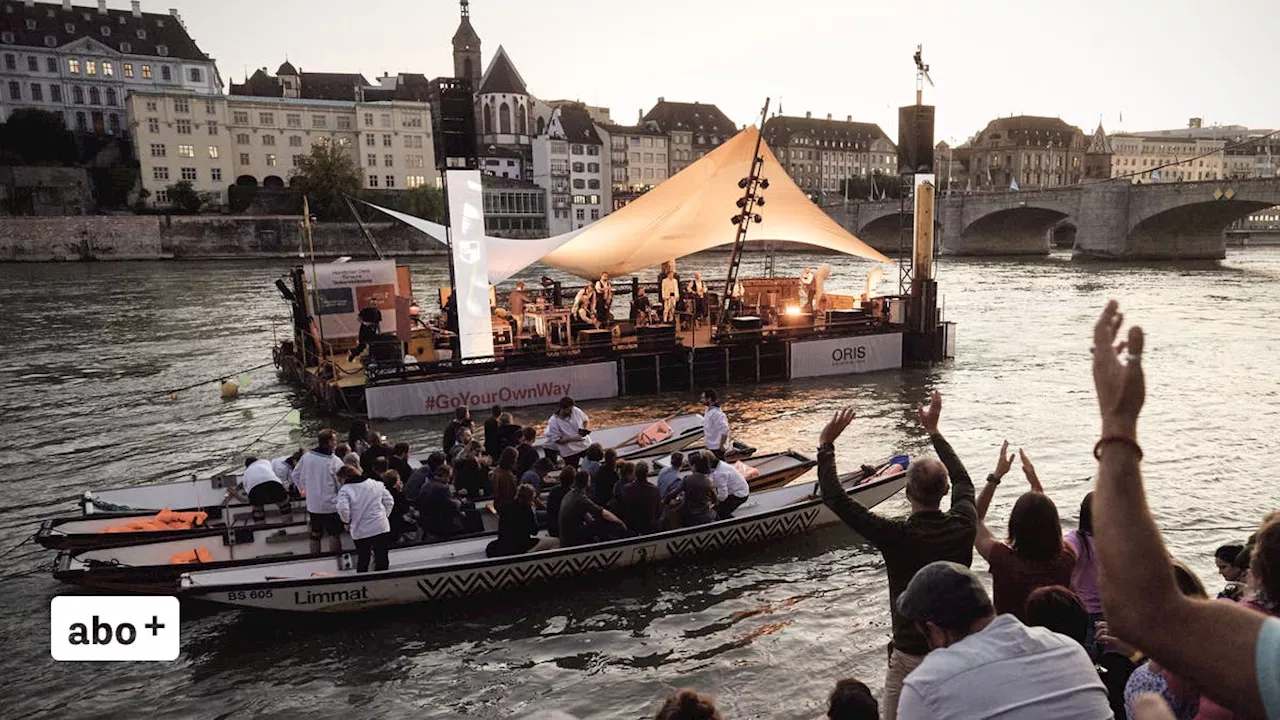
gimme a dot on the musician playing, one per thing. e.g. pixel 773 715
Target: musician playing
pixel 698 293
pixel 808 283
pixel 735 298
pixel 604 299
pixel 641 311
pixel 670 295
pixel 584 306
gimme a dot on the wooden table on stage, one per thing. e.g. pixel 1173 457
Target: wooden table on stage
pixel 545 319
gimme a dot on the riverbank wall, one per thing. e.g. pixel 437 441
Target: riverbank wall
pixel 196 237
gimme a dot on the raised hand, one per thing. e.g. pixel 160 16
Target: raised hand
pixel 929 416
pixel 1029 471
pixel 1005 462
pixel 1120 385
pixel 838 423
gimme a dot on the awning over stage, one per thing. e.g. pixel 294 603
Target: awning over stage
pixel 688 213
pixel 691 212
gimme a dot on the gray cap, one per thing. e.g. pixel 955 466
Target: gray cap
pixel 947 594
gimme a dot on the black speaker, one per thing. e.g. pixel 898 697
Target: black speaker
pixel 453 120
pixel 656 336
pixel 915 139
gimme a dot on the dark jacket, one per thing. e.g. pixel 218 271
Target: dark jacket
pixel 910 544
pixel 368 457
pixel 639 506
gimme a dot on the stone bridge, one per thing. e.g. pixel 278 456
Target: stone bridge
pixel 1114 220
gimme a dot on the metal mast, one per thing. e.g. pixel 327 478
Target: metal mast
pixel 752 184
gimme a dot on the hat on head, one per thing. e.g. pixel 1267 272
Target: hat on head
pixel 946 594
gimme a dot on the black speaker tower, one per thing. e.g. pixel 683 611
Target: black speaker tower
pixel 915 139
pixel 453 122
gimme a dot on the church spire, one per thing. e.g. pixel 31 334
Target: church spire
pixel 466 9
pixel 466 48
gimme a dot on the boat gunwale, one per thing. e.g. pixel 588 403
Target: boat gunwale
pixel 186 589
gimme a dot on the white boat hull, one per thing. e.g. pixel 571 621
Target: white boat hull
pixel 460 569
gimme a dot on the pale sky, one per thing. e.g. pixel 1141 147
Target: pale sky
pixel 1155 63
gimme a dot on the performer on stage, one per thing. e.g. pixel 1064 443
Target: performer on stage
pixel 584 306
pixel 641 311
pixel 604 299
pixel 808 283
pixel 670 295
pixel 517 299
pixel 698 292
pixel 735 299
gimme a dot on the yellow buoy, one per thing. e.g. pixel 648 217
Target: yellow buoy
pixel 229 389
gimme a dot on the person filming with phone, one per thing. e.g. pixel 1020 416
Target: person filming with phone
pixel 567 432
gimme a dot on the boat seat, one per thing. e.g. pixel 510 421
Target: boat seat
pixel 284 536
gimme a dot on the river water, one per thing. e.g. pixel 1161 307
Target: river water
pixel 90 351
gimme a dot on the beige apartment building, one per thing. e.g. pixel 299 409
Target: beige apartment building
pixel 214 142
pixel 1139 155
pixel 639 160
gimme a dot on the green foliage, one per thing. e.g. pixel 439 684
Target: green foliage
pixel 37 137
pixel 324 176
pixel 425 201
pixel 112 185
pixel 184 198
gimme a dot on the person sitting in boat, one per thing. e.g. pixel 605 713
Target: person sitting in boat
pixel 357 438
pixel 592 459
pixel 715 426
pixel 518 528
pixel 693 502
pixel 638 503
pixel 400 461
pixel 526 453
pixel 669 478
pixel 365 505
pixel 582 521
pixel 555 499
pixel 503 480
pixel 471 475
pixel 461 445
pixel 378 448
pixel 317 475
pixel 402 520
pixel 537 475
pixel 461 419
pixel 508 432
pixel 584 306
pixel 567 431
pixel 263 486
pixel 440 514
pixel 605 479
pixel 425 472
pixel 731 488
pixel 670 291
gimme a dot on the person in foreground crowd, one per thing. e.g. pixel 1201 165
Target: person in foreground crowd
pixel 1084 577
pixel 555 499
pixel 518 529
pixel 537 474
pixel 591 460
pixel 424 472
pixel 1035 555
pixel 526 453
pixel 461 420
pixel 638 502
pixel 669 477
pixel 263 486
pixel 316 474
pixel 365 505
pixel 492 433
pixel 851 699
pixel 692 503
pixel 1059 609
pixel 928 534
pixel 1230 652
pixel 731 488
pixel 399 460
pixel 605 478
pixel 1225 558
pixel 358 437
pixel 715 426
pixel 283 467
pixel 582 521
pixel 378 449
pixel 567 431
pixel 403 524
pixel 688 704
pixel 984 665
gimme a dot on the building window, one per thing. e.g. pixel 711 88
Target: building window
pixel 142 34
pixel 111 96
pixel 73 66
pixel 595 214
pixel 163 51
pixel 81 124
pixel 579 184
pixel 344 122
pixel 414 161
pixel 368 118
pixel 371 140
pixel 371 160
pixel 128 70
pixel 90 67
pixel 297 160
pixel 386 120
pixel 153 125
pixel 391 181
pixel 187 151
pixel 373 181
pixel 578 167
pixel 595 184
pixel 183 127
pixel 266 118
pixel 580 214
pixel 387 160
pixel 413 181
pixel 244 158
pixel 160 173
pixel 108 69
pixel 319 121
pixel 293 120
pixel 181 105
pixel 268 140
pixel 593 167
pixel 213 127
pixel 55 93
pixel 37 92
pixel 295 141
pixel 576 150
pixel 146 72
pixel 593 200
pixel 33 64
pixel 195 75
pixel 126 48
pixel 188 173
pixel 593 149
pixel 242 138
pixel 157 150
pixel 215 174
pixel 386 141
pixel 413 141
pixel 213 152
pixel 95 96
pixel 271 159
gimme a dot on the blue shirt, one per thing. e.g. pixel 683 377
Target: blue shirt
pixel 1267 659
pixel 668 482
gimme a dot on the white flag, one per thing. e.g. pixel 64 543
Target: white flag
pixel 1013 184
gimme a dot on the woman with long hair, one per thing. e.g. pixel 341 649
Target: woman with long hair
pixel 1035 554
pixel 358 437
pixel 1084 578
pixel 517 528
pixel 504 479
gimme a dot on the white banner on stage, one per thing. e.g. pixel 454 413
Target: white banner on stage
pixel 512 389
pixel 840 356
pixel 470 262
pixel 344 289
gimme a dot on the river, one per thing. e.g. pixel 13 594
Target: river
pixel 89 352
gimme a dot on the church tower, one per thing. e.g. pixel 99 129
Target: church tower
pixel 466 49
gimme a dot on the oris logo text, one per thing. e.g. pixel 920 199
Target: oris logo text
pixel 849 354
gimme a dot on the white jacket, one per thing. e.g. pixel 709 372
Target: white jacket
pixel 365 506
pixel 258 473
pixel 282 469
pixel 316 474
pixel 715 429
pixel 562 433
pixel 729 481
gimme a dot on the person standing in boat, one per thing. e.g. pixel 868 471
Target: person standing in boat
pixel 317 475
pixel 264 486
pixel 567 431
pixel 370 325
pixel 670 292
pixel 927 535
pixel 365 505
pixel 461 419
pixel 715 426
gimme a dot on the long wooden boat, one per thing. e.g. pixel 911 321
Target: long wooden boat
pixel 83 533
pixel 460 568
pixel 771 470
pixel 685 430
pixel 153 567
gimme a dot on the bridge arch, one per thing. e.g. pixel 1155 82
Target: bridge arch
pixel 1190 231
pixel 1025 229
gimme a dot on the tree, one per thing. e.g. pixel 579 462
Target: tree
pixel 184 197
pixel 879 184
pixel 37 137
pixel 324 176
pixel 425 201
